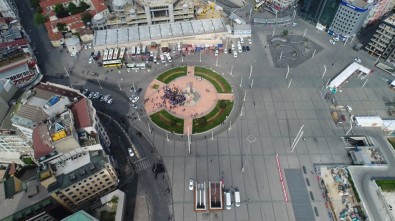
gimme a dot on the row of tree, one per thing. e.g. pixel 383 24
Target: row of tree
pixel 61 11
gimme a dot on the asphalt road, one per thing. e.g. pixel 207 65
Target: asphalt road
pixel 273 113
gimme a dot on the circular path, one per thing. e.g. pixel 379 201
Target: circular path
pixel 207 99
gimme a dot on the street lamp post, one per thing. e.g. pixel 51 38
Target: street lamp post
pixel 324 72
pixel 251 139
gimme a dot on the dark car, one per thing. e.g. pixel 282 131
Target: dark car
pixel 150 58
pixel 229 51
pixel 244 48
pixel 248 48
pixel 343 117
pixel 139 90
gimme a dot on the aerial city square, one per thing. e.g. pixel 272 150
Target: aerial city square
pixel 191 110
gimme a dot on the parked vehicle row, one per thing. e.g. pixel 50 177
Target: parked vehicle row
pixel 98 96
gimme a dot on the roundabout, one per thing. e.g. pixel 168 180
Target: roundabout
pixel 188 99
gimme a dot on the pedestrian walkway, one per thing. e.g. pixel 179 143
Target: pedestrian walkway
pixel 188 124
pixel 191 70
pixel 225 96
pixel 142 164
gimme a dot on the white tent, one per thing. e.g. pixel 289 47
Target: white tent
pixel 368 121
pixel 344 75
pixel 389 125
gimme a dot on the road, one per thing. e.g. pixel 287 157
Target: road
pixel 274 110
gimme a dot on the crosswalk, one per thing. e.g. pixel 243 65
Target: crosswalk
pixel 142 164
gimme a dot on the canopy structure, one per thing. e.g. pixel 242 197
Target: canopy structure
pixel 368 121
pixel 344 75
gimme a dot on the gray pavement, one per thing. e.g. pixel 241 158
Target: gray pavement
pixel 273 113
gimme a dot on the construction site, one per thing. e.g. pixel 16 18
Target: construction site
pixel 209 10
pixel 338 190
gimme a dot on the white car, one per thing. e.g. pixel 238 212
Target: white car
pixel 249 41
pixel 191 184
pixel 241 40
pixel 130 152
pixel 96 95
pixel 240 50
pixel 135 99
pixel 109 102
pixel 90 45
pixel 294 24
pixel 358 60
pixel 179 46
pixel 162 58
pixel 90 60
pixel 348 108
pixel 336 39
pixel 168 58
pixel 151 54
pixel 216 53
pixel 235 54
pixel 90 95
pixel 233 47
pixel 85 46
pixel 332 41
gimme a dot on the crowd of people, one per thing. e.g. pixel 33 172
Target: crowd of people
pixel 173 95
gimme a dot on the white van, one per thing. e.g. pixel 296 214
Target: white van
pixel 228 201
pixel 237 197
pixel 241 40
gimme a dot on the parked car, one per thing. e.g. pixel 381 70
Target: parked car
pixel 109 102
pixel 90 95
pixel 229 51
pixel 358 60
pixel 216 52
pixel 235 54
pixel 243 48
pixel 139 90
pixel 134 106
pixel 162 58
pixel 332 41
pixel 96 95
pixel 84 91
pixel 131 154
pixel 249 41
pixel 248 48
pixel 348 108
pixel 135 99
pixel 191 184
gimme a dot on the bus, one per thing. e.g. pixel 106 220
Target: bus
pixel 138 50
pixel 105 54
pixel 257 6
pixel 122 53
pixel 113 63
pixel 110 53
pixel 133 51
pixel 115 55
pixel 135 66
pixel 143 49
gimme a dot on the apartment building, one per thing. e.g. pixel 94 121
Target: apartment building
pixel 350 17
pixel 77 178
pixel 382 43
pixel 281 5
pixel 14 145
pixel 320 11
pixel 8 9
pixel 141 12
pixel 379 9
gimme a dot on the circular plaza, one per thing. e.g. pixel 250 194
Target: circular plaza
pixel 188 100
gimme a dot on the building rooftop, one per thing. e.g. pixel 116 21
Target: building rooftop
pixel 32 194
pixel 20 68
pixel 363 4
pixel 390 20
pixel 75 166
pixel 81 114
pixel 154 32
pixel 80 216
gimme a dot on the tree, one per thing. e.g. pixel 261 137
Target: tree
pixel 61 26
pixel 35 3
pixel 86 17
pixel 285 33
pixel 39 10
pixel 60 11
pixel 39 18
pixel 83 5
pixel 71 7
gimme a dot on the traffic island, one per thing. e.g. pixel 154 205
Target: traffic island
pixel 188 99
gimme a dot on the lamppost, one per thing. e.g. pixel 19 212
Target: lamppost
pixel 251 139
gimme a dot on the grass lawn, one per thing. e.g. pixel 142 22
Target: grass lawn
pixel 217 80
pixel 214 118
pixel 392 141
pixel 168 122
pixel 386 185
pixel 107 216
pixel 168 76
